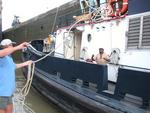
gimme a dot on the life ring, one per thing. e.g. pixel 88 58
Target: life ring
pixel 120 11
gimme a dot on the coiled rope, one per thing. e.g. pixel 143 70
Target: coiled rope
pixel 19 98
pixel 100 13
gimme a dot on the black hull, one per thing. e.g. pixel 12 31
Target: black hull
pixel 68 100
pixel 72 97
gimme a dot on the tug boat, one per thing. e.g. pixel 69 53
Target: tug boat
pixel 121 27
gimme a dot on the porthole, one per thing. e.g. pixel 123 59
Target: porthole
pixel 89 37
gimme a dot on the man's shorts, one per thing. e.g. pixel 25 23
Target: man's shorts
pixel 4 101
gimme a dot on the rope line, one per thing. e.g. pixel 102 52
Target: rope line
pixel 20 97
pixel 26 88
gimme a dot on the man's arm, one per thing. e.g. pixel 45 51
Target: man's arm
pixel 107 58
pixel 20 65
pixel 9 50
pixel 93 58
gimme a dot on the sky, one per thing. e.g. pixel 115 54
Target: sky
pixel 26 9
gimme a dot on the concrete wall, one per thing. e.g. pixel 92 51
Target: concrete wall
pixel 41 26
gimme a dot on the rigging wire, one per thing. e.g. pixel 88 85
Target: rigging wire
pixel 55 20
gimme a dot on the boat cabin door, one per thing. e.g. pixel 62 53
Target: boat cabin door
pixel 72 45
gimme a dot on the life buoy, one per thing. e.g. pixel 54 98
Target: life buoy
pixel 120 11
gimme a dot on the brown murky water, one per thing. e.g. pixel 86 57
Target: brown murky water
pixel 36 101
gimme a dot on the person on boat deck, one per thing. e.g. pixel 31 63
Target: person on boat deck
pixel 7 73
pixel 101 57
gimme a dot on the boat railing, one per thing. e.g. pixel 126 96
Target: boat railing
pixel 135 68
pixel 75 71
pixel 67 19
pixel 60 55
pixel 131 67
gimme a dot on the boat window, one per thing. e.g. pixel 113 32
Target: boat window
pixel 139 32
pixel 89 37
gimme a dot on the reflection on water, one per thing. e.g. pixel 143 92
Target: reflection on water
pixel 34 100
pixel 39 104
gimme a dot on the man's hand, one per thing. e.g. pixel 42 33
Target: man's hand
pixel 26 63
pixel 22 46
pixel 29 62
pixel 92 58
pixel 108 60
